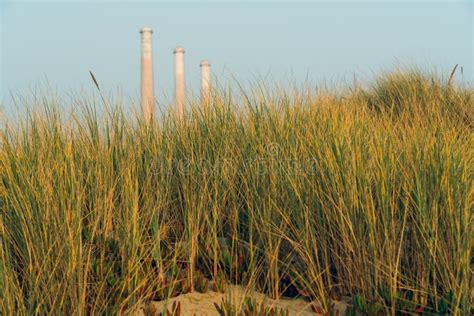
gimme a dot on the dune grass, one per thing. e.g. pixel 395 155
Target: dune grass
pixel 366 193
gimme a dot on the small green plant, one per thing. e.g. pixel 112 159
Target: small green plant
pixel 402 302
pixel 201 284
pixel 253 308
pixel 219 284
pixel 362 306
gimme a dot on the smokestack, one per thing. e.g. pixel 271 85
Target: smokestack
pixel 147 93
pixel 205 82
pixel 179 82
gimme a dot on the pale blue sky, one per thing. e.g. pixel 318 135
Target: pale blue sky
pixel 63 40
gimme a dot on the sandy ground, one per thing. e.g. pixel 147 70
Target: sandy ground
pixel 201 304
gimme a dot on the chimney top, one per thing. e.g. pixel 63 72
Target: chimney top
pixel 146 29
pixel 179 50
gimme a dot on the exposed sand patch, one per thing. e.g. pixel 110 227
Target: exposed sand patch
pixel 202 304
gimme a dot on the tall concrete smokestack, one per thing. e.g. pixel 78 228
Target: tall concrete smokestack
pixel 147 92
pixel 179 82
pixel 205 82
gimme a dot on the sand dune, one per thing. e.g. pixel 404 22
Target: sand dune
pixel 202 304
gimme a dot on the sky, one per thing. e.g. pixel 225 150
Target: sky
pixel 55 44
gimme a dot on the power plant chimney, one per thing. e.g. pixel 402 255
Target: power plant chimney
pixel 205 82
pixel 147 91
pixel 179 82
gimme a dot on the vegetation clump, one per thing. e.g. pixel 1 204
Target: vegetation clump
pixel 367 194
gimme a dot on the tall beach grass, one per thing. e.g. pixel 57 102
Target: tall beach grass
pixel 366 193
